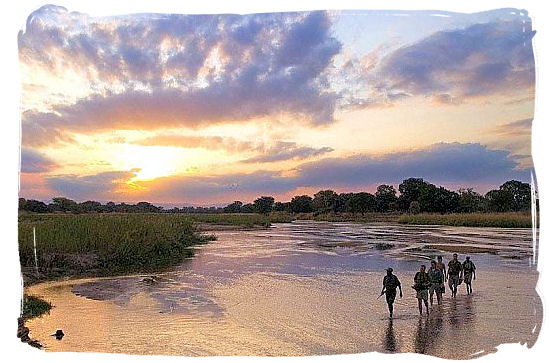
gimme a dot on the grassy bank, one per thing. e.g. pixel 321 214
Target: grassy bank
pixel 501 220
pixel 104 244
pixel 34 307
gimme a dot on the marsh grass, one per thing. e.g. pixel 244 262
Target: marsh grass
pixel 34 307
pixel 501 220
pixel 105 244
pixel 231 219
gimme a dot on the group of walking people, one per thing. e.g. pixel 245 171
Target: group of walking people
pixel 426 283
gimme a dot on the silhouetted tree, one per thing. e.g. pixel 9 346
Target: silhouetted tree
pixel 65 205
pixel 362 203
pixel 234 207
pixel 470 201
pixel 248 208
pixel 386 197
pixel 325 201
pixel 414 207
pixel 521 194
pixel 301 204
pixel 281 207
pixel 264 205
pixel 91 206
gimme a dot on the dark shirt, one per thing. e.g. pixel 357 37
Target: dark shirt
pixel 391 282
pixel 454 267
pixel 468 266
pixel 421 280
pixel 436 275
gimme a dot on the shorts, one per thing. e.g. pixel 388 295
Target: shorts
pixel 390 296
pixel 438 287
pixel 454 280
pixel 468 277
pixel 422 294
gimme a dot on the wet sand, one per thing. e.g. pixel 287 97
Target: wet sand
pixel 304 288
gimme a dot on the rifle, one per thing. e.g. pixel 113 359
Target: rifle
pixel 383 292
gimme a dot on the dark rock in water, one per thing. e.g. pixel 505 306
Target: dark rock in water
pixel 58 334
pixel 150 280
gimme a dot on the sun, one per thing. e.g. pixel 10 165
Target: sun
pixel 151 162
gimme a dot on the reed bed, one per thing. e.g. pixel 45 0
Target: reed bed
pixel 103 244
pixel 500 220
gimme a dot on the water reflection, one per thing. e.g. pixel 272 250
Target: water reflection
pixel 389 343
pixel 428 333
pixel 296 289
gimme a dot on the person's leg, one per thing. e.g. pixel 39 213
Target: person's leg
pixel 438 295
pixel 426 303
pixel 431 297
pixel 420 305
pixel 390 298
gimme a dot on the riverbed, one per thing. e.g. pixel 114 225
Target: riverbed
pixel 304 288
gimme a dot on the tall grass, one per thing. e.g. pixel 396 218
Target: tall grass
pixel 105 243
pixel 349 217
pixel 233 219
pixel 502 220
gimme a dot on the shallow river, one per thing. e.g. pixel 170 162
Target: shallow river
pixel 305 288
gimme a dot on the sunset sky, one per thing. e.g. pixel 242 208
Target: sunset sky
pixel 208 109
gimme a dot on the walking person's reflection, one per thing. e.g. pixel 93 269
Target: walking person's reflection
pixel 390 343
pixel 428 333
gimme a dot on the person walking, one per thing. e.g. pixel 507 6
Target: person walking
pixel 437 283
pixel 421 285
pixel 389 287
pixel 440 265
pixel 469 270
pixel 455 274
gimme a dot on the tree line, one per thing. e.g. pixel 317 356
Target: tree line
pixel 415 196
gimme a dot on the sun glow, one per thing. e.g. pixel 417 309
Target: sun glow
pixel 150 162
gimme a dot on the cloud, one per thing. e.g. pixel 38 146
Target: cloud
pixel 443 164
pixel 287 151
pixel 159 71
pixel 33 161
pixel 515 128
pixel 102 186
pixel 205 142
pixel 449 67
pixel 481 59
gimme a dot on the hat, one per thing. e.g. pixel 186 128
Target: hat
pixel 389 269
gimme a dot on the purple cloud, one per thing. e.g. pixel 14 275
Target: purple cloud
pixel 100 186
pixel 287 151
pixel 33 161
pixel 478 60
pixel 250 66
